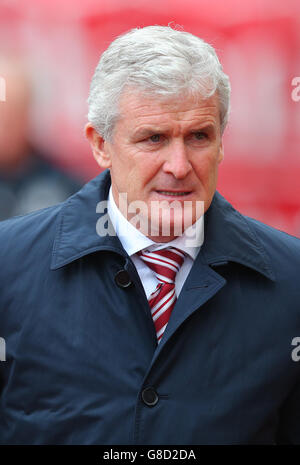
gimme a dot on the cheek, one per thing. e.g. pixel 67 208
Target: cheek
pixel 147 170
pixel 206 170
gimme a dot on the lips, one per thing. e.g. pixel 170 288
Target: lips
pixel 174 193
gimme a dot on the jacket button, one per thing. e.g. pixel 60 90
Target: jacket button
pixel 122 278
pixel 149 396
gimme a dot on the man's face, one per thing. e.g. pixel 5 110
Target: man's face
pixel 163 150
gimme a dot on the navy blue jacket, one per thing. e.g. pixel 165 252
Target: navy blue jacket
pixel 82 364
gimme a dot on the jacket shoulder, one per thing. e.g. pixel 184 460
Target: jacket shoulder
pixel 28 233
pixel 264 229
pixel 283 248
pixel 29 220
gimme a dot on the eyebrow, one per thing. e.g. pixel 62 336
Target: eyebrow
pixel 210 127
pixel 148 131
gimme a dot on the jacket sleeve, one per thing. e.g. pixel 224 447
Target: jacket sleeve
pixel 289 422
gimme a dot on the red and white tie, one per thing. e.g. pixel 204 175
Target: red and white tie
pixel 165 263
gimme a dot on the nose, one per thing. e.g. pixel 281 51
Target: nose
pixel 177 162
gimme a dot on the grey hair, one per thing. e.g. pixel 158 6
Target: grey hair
pixel 156 59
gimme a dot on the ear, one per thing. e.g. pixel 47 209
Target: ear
pixel 221 153
pixel 98 146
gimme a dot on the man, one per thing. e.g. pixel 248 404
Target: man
pixel 28 179
pixel 150 325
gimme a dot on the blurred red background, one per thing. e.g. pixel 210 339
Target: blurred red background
pixel 258 42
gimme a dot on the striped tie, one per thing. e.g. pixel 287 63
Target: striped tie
pixel 165 263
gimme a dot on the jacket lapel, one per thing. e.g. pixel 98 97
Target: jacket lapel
pixel 200 286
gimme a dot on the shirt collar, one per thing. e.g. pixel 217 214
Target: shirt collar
pixel 133 240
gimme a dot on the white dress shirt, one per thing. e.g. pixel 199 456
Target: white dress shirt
pixel 133 241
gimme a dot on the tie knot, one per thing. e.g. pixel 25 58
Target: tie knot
pixel 164 262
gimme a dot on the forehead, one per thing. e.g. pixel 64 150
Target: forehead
pixel 137 108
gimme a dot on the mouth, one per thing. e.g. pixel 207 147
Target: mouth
pixel 174 193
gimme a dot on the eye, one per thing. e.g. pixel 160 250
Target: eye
pixel 200 135
pixel 155 138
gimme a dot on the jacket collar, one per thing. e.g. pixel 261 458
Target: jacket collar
pixel 228 236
